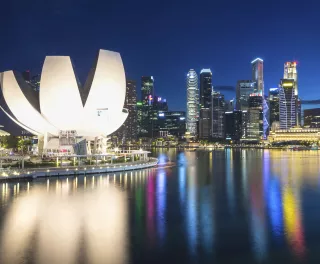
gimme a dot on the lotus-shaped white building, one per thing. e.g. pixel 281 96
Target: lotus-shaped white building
pixel 62 106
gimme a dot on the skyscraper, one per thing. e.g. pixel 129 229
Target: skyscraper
pixel 255 118
pixel 218 108
pixel 287 103
pixel 146 117
pixel 205 103
pixel 131 126
pixel 233 128
pixel 290 72
pixel 257 75
pixel 129 130
pixel 192 102
pixel 243 91
pixel 257 78
pixel 274 105
pixel 147 88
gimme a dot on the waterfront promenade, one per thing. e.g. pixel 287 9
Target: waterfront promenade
pixel 32 173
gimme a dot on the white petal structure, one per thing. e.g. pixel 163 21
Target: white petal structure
pixel 62 105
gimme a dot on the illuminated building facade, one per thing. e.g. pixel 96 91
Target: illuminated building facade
pixel 147 88
pixel 129 130
pixel 62 107
pixel 255 117
pixel 170 123
pixel 147 93
pixel 287 102
pixel 218 108
pixel 274 105
pixel 295 134
pixel 312 118
pixel 290 72
pixel 233 125
pixel 205 104
pixel 192 102
pixel 243 91
pixel 257 75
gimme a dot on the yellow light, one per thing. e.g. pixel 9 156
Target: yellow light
pixel 287 85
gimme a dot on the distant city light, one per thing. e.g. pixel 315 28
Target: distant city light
pixel 161 114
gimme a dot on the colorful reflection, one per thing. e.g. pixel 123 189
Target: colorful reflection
pixel 161 204
pixel 293 221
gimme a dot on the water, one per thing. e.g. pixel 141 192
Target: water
pixel 232 206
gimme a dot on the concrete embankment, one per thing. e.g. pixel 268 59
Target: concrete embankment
pixel 28 174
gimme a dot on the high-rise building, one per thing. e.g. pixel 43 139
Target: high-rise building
pixel 230 105
pixel 255 118
pixel 233 127
pixel 243 91
pixel 312 118
pixel 273 105
pixel 205 104
pixel 290 72
pixel 218 109
pixel 146 114
pixel 192 102
pixel 257 75
pixel 171 123
pixel 257 78
pixel 287 102
pixel 129 130
pixel 131 125
pixel 147 88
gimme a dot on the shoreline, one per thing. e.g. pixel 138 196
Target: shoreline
pixel 29 174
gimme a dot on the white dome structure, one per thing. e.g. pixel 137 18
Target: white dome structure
pixel 94 110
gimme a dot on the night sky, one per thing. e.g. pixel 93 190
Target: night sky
pixel 167 38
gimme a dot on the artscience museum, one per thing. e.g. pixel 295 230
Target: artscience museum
pixel 64 114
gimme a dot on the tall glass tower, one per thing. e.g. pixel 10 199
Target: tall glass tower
pixel 287 102
pixel 257 75
pixel 192 102
pixel 205 104
pixel 290 72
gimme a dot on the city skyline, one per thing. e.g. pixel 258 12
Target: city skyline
pixel 77 29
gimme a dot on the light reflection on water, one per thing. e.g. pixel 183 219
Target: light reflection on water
pixel 253 206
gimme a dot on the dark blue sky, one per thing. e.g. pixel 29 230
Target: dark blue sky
pixel 167 38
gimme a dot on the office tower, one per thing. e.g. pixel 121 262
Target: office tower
pixel 159 105
pixel 273 105
pixel 192 102
pixel 205 103
pixel 244 125
pixel 312 118
pixel 290 72
pixel 243 91
pixel 26 76
pixel 255 118
pixel 147 88
pixel 257 75
pixel 131 126
pixel 129 130
pixel 287 103
pixel 146 119
pixel 171 123
pixel 218 109
pixel 233 125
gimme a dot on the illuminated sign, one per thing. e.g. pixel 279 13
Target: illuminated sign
pixel 139 103
pixel 161 114
pixel 182 118
pixel 159 99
